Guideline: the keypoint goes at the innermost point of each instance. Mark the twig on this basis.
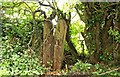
(41, 12)
(28, 6)
(46, 5)
(79, 13)
(110, 71)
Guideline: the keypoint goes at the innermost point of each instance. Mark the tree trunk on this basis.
(97, 38)
(70, 43)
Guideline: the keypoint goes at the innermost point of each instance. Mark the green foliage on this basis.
(18, 57)
(107, 57)
(75, 30)
(81, 67)
(115, 33)
(105, 71)
(67, 5)
(18, 60)
(3, 72)
(94, 70)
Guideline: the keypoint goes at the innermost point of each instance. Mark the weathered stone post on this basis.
(59, 38)
(53, 45)
(48, 43)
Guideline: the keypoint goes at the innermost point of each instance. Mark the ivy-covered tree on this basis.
(101, 33)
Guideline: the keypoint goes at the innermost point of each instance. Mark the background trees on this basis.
(101, 20)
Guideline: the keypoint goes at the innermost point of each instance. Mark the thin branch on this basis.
(113, 4)
(46, 5)
(74, 16)
(28, 6)
(25, 10)
(53, 2)
(41, 12)
(110, 71)
(79, 13)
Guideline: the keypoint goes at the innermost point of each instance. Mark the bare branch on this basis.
(46, 5)
(79, 13)
(110, 71)
(41, 12)
(28, 6)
